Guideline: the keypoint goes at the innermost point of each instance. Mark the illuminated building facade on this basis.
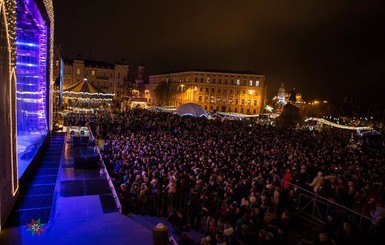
(26, 51)
(281, 96)
(112, 78)
(233, 92)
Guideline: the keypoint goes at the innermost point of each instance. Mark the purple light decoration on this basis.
(31, 85)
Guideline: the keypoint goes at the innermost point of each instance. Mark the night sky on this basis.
(325, 49)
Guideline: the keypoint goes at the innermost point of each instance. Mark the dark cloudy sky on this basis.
(325, 49)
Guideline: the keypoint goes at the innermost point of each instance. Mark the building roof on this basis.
(91, 63)
(245, 72)
(84, 87)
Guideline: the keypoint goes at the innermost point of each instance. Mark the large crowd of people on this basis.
(242, 179)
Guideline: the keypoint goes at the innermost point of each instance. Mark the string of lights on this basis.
(321, 120)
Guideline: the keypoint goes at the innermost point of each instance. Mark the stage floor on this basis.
(83, 211)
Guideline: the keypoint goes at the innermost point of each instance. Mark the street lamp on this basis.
(182, 85)
(249, 101)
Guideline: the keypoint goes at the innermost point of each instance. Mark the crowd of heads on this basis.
(243, 179)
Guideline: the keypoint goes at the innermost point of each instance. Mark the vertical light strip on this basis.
(49, 7)
(13, 143)
(10, 13)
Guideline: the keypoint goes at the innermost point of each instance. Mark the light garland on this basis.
(321, 120)
(233, 114)
(9, 7)
(89, 99)
(165, 108)
(87, 93)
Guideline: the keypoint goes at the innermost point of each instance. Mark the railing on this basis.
(318, 207)
(161, 205)
(103, 169)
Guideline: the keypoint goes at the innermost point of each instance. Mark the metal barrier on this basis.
(161, 205)
(103, 169)
(316, 207)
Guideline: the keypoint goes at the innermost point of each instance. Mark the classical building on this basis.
(282, 100)
(26, 51)
(283, 97)
(222, 91)
(112, 78)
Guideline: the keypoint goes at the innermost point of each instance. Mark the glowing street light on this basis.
(182, 85)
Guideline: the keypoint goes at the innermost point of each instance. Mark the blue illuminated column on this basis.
(31, 86)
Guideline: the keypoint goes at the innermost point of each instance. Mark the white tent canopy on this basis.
(191, 109)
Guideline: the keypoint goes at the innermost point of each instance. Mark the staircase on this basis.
(149, 222)
(36, 200)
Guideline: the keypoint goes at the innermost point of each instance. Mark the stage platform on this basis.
(80, 210)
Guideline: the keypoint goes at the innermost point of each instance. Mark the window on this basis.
(219, 90)
(231, 91)
(256, 83)
(236, 101)
(220, 81)
(78, 71)
(243, 101)
(201, 89)
(251, 83)
(206, 99)
(212, 90)
(238, 82)
(225, 81)
(241, 110)
(207, 90)
(255, 102)
(200, 98)
(213, 80)
(196, 79)
(243, 91)
(201, 79)
(235, 109)
(93, 73)
(249, 102)
(118, 75)
(237, 92)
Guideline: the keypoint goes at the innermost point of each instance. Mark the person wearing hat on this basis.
(123, 195)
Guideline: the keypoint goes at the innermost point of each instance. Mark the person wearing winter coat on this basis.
(317, 182)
